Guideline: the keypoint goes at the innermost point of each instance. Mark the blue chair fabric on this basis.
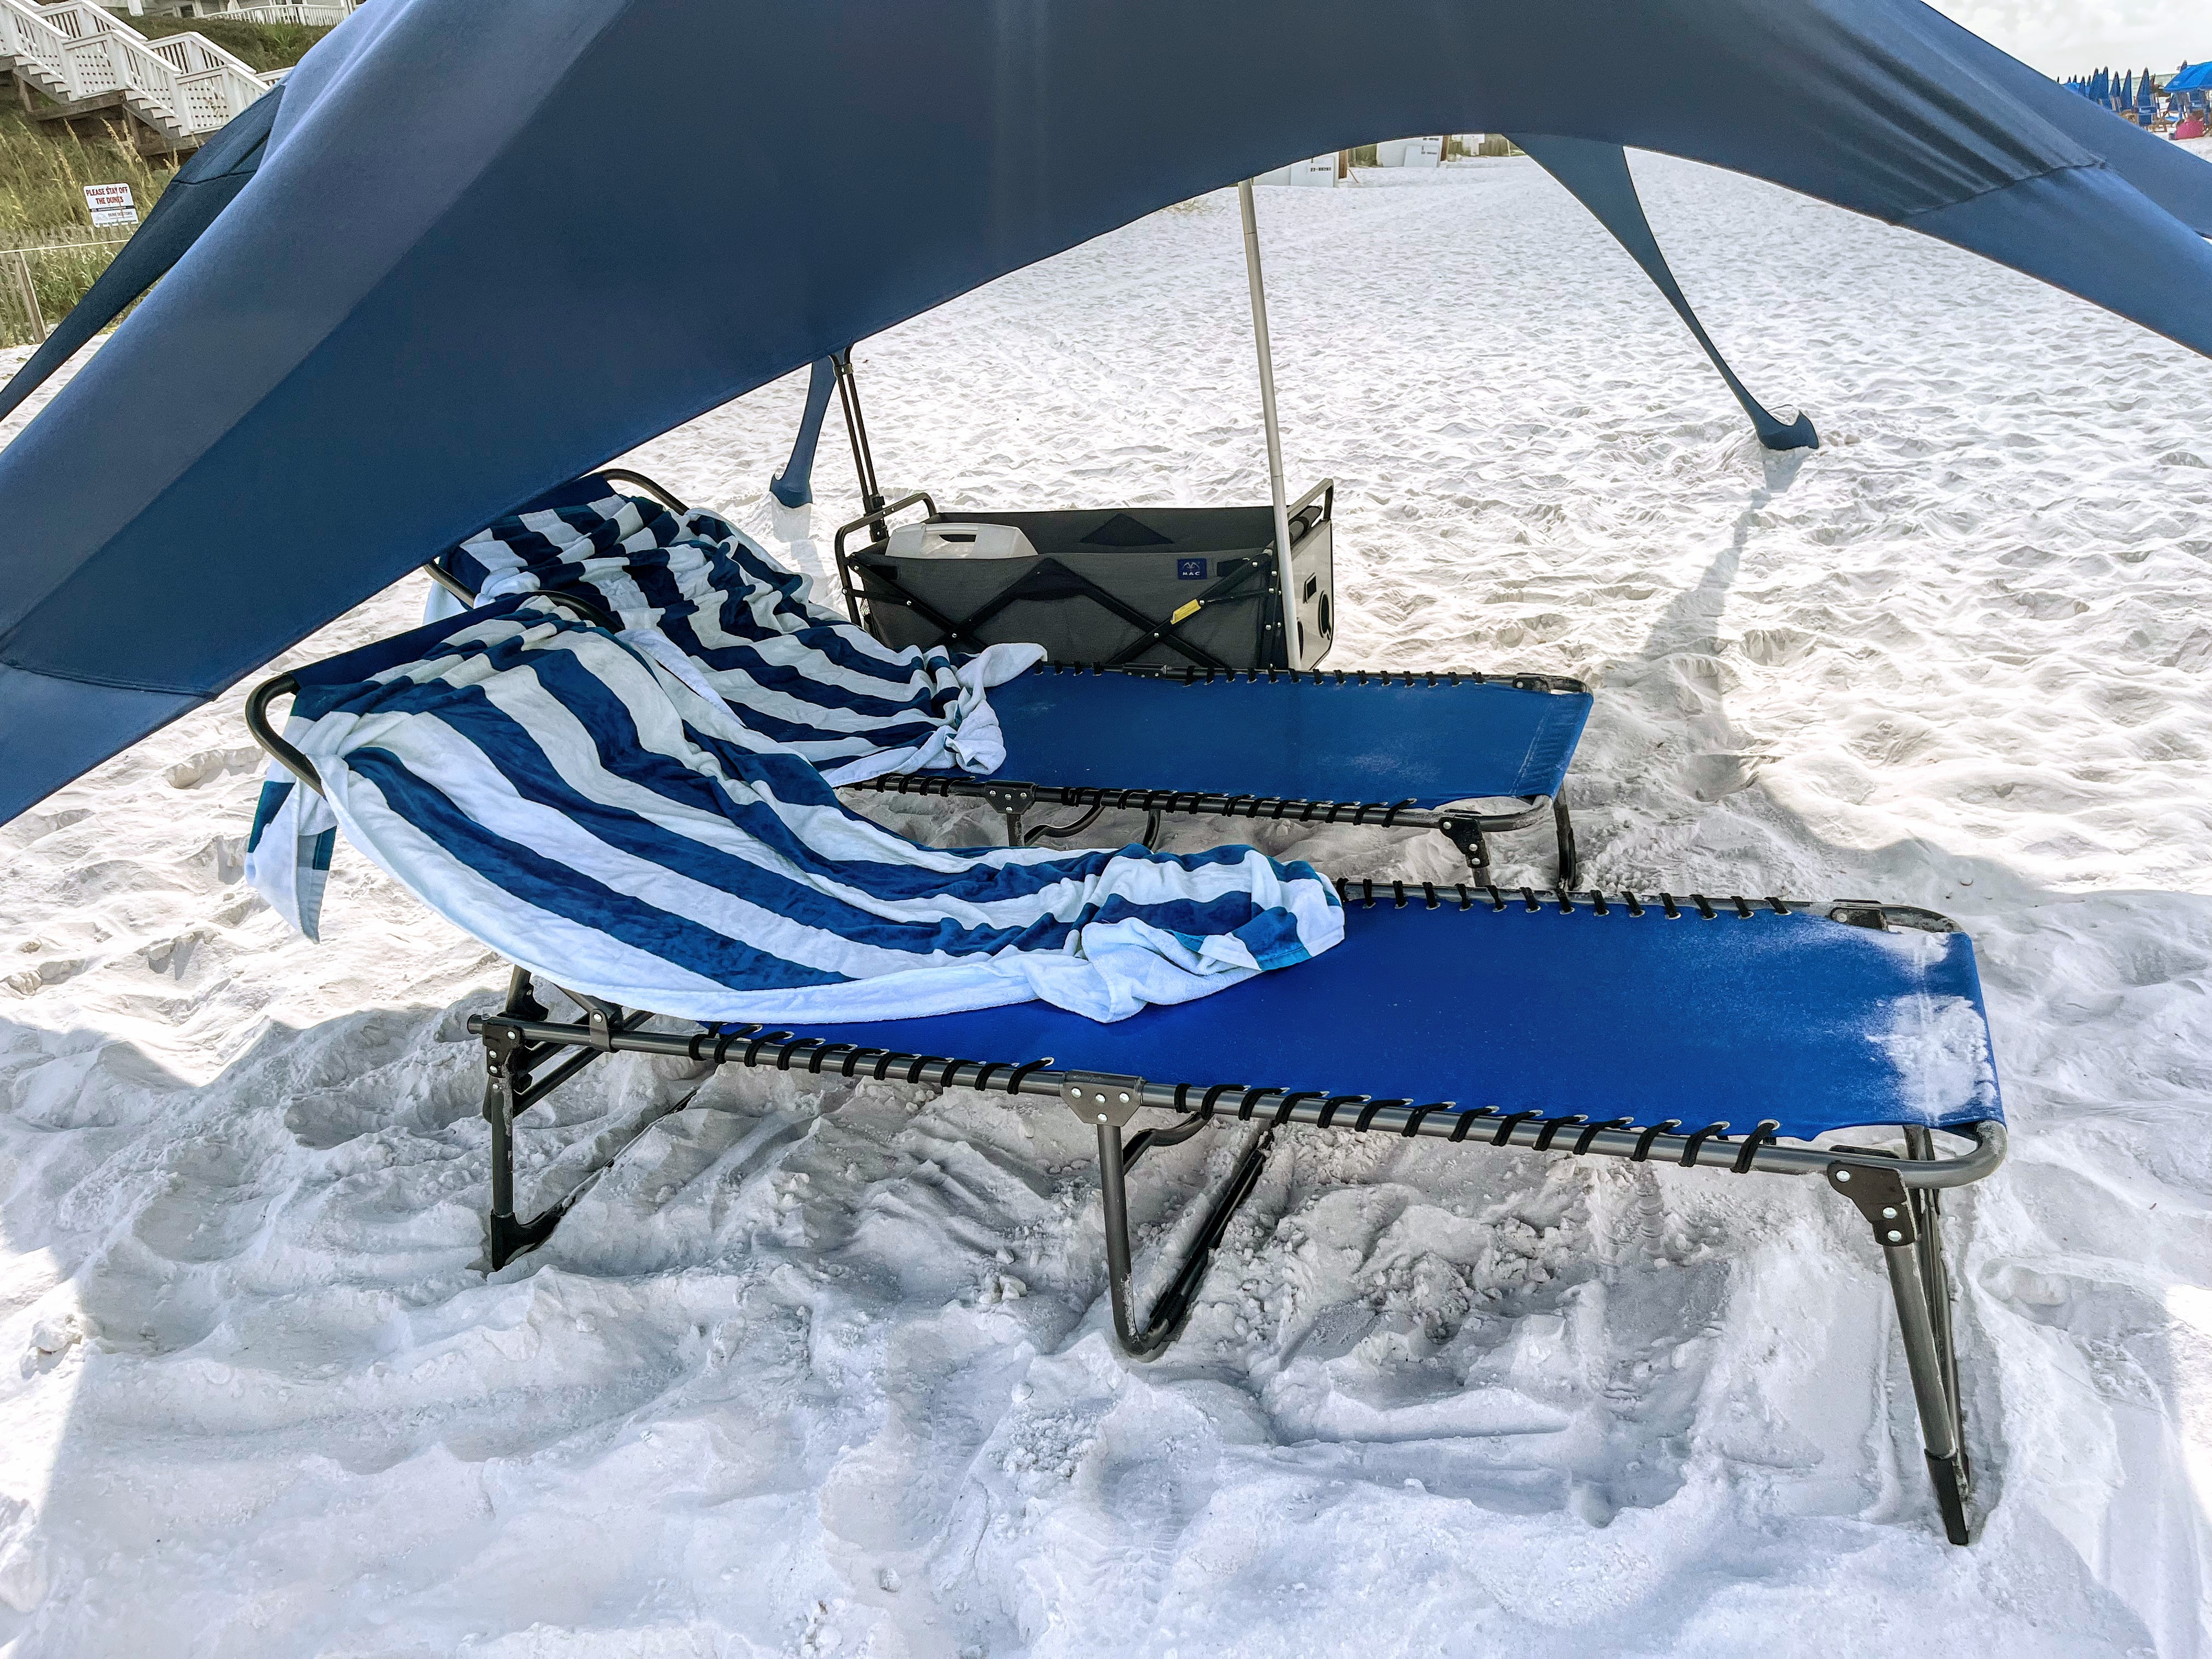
(1813, 1024)
(1426, 738)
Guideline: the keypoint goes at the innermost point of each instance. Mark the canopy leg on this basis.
(1142, 1341)
(1915, 1263)
(794, 486)
(1597, 174)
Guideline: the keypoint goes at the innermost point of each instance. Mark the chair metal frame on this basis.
(1897, 1192)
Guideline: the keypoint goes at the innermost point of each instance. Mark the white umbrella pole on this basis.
(1293, 655)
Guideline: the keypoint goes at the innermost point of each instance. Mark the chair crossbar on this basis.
(1468, 831)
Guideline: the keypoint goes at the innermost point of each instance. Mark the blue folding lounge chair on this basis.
(1317, 747)
(1457, 1012)
(1466, 1015)
(1293, 745)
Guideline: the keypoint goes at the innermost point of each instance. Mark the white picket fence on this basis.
(183, 86)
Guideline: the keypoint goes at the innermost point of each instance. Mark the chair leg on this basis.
(1173, 1306)
(510, 1091)
(1930, 1363)
(1571, 863)
(1936, 1276)
(1037, 833)
(1012, 801)
(1915, 1263)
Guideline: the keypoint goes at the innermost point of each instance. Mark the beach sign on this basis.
(111, 204)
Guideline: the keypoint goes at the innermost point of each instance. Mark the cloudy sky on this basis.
(2069, 37)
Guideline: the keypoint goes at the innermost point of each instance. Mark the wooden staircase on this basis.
(84, 61)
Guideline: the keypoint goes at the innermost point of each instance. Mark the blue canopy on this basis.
(492, 243)
(2197, 77)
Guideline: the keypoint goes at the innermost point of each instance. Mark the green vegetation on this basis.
(260, 47)
(43, 171)
(45, 166)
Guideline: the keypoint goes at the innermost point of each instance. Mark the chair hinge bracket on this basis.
(1881, 1197)
(1102, 1096)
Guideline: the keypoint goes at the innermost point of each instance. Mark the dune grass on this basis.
(43, 172)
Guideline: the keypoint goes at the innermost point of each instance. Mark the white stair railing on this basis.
(182, 85)
(318, 14)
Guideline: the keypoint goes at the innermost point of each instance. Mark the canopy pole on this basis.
(856, 429)
(1293, 657)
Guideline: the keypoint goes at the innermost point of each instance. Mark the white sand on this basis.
(826, 1369)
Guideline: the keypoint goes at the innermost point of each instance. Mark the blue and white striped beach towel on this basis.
(709, 604)
(645, 817)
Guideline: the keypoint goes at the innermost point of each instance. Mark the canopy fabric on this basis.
(1597, 176)
(2197, 77)
(437, 297)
